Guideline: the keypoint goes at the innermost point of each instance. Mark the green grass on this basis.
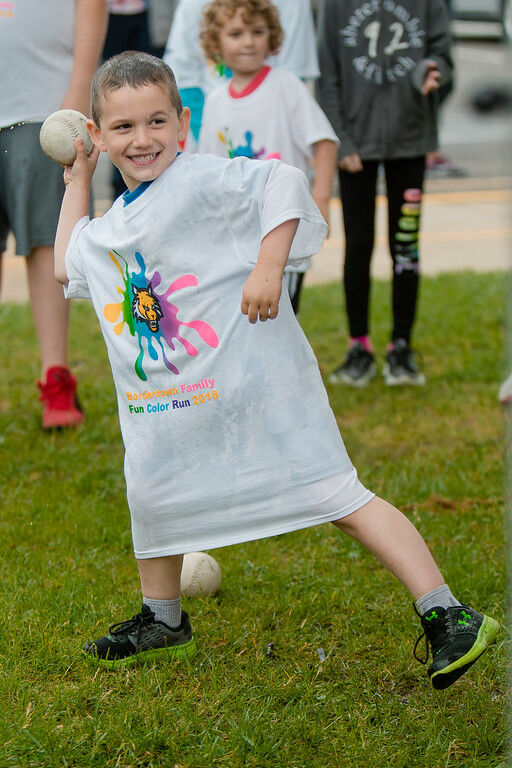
(257, 694)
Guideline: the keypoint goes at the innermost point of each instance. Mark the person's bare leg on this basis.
(394, 540)
(49, 308)
(160, 577)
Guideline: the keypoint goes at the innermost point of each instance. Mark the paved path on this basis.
(467, 224)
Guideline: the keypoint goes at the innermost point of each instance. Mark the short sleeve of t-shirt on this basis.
(77, 287)
(309, 123)
(277, 193)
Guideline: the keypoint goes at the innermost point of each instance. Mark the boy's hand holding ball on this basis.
(65, 139)
(58, 134)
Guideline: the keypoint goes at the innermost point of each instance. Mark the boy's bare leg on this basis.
(394, 540)
(49, 308)
(160, 577)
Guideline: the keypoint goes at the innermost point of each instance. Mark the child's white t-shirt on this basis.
(227, 427)
(278, 117)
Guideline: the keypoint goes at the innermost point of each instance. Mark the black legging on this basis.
(404, 182)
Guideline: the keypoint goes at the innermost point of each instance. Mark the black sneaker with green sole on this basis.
(142, 638)
(457, 636)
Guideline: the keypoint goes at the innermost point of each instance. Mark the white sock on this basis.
(438, 598)
(168, 611)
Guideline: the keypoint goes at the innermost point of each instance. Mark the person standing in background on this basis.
(263, 112)
(382, 64)
(49, 52)
(196, 77)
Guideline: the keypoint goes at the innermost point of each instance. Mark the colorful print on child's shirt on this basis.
(219, 68)
(246, 150)
(150, 316)
(6, 10)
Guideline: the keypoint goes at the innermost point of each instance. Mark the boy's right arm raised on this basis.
(75, 204)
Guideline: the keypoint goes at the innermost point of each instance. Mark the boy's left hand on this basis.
(432, 78)
(322, 203)
(261, 293)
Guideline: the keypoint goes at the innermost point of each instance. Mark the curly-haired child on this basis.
(263, 112)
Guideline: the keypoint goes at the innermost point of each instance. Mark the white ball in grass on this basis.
(201, 574)
(58, 133)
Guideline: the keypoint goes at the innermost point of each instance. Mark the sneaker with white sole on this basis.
(142, 638)
(400, 366)
(457, 637)
(358, 368)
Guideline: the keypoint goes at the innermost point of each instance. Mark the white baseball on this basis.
(58, 133)
(201, 574)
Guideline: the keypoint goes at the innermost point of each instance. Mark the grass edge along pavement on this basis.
(305, 655)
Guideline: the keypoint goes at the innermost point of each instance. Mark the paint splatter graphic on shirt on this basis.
(150, 316)
(246, 150)
(220, 69)
(7, 9)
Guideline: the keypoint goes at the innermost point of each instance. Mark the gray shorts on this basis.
(31, 189)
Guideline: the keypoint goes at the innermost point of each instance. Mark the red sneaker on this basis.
(58, 395)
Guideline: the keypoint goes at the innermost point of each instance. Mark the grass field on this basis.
(258, 693)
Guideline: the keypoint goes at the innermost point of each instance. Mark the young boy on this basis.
(263, 112)
(227, 429)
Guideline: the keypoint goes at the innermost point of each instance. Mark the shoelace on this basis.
(62, 384)
(355, 352)
(418, 641)
(133, 626)
(406, 355)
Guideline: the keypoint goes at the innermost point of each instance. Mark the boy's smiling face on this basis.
(140, 129)
(244, 45)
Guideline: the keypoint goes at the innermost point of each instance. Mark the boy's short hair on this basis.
(134, 69)
(218, 10)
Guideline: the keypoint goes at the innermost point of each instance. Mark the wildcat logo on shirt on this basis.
(151, 317)
(145, 307)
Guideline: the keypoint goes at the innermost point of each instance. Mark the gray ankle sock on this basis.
(168, 611)
(438, 598)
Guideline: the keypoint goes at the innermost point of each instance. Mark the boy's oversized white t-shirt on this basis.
(279, 118)
(226, 425)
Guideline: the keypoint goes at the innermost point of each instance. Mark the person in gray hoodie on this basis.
(382, 63)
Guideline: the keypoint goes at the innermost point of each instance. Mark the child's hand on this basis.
(82, 170)
(351, 163)
(323, 204)
(432, 78)
(261, 293)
